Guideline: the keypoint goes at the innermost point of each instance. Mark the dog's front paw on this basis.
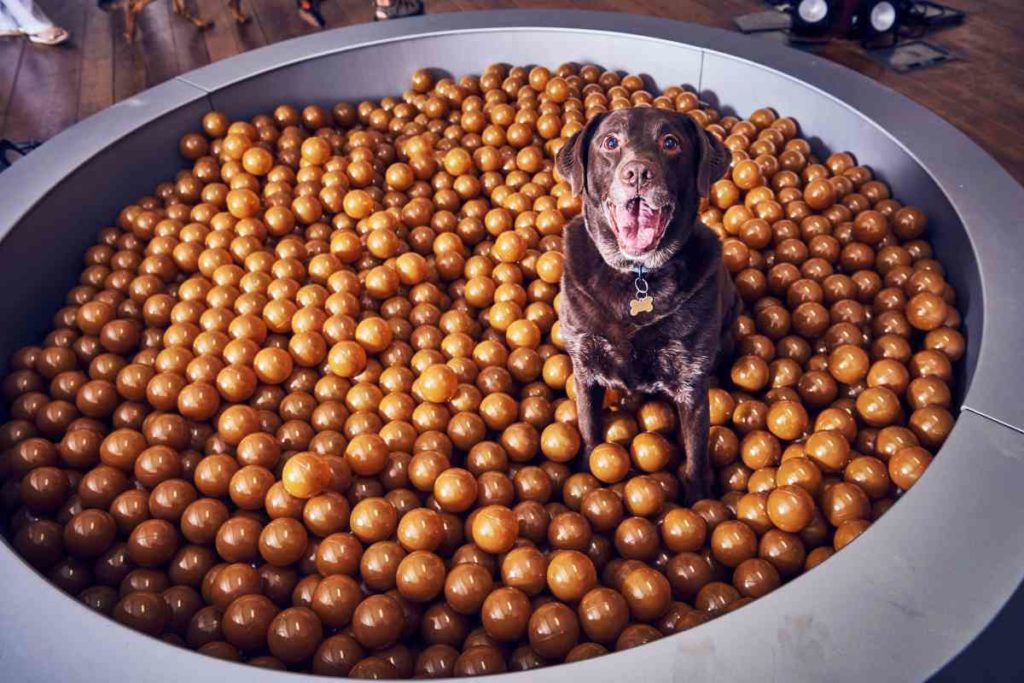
(697, 488)
(581, 463)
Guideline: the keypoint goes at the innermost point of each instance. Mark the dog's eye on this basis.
(610, 142)
(670, 142)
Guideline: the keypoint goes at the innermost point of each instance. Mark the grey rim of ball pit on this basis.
(897, 604)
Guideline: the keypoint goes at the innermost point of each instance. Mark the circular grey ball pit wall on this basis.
(897, 604)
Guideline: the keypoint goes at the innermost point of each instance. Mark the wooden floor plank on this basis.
(250, 34)
(220, 41)
(189, 45)
(346, 13)
(11, 52)
(96, 91)
(158, 50)
(129, 63)
(280, 19)
(226, 37)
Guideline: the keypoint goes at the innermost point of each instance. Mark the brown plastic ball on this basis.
(553, 630)
(466, 587)
(647, 593)
(844, 501)
(570, 575)
(907, 465)
(377, 622)
(294, 634)
(755, 577)
(495, 528)
(790, 508)
(683, 530)
(506, 615)
(732, 542)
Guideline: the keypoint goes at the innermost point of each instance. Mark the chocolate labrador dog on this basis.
(645, 300)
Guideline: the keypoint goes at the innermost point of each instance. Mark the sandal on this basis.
(309, 12)
(397, 9)
(53, 35)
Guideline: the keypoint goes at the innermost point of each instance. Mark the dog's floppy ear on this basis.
(713, 158)
(572, 158)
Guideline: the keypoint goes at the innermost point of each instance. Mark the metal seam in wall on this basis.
(198, 87)
(208, 97)
(700, 72)
(1002, 423)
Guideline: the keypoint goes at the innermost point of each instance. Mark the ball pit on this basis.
(731, 541)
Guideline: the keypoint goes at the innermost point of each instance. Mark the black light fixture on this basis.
(868, 20)
(877, 19)
(813, 17)
(819, 18)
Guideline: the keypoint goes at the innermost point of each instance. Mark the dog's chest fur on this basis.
(666, 351)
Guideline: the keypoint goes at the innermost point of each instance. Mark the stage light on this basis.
(865, 19)
(877, 18)
(815, 17)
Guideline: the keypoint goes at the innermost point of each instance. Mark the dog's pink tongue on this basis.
(639, 226)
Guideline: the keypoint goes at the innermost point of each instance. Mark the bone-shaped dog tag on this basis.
(641, 305)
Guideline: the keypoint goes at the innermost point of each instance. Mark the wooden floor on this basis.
(43, 90)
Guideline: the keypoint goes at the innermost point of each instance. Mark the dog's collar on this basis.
(643, 302)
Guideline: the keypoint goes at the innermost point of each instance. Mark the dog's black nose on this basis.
(636, 172)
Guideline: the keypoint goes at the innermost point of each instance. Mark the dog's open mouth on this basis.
(638, 226)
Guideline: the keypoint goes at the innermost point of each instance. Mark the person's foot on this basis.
(396, 9)
(54, 35)
(11, 32)
(309, 12)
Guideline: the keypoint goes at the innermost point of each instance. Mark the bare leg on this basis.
(237, 12)
(132, 9)
(694, 423)
(181, 8)
(24, 15)
(309, 12)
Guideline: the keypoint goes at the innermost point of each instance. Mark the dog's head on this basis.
(641, 172)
